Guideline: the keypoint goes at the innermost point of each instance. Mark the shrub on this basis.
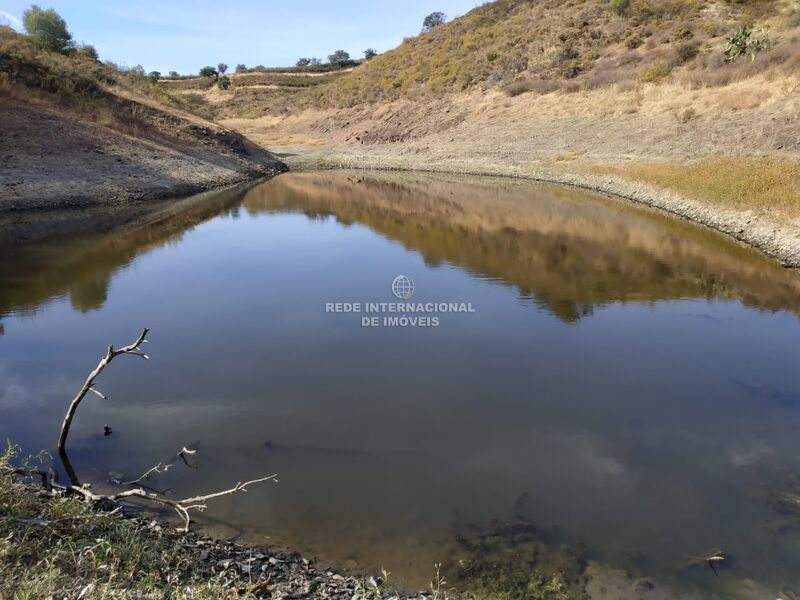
(224, 82)
(47, 29)
(619, 7)
(87, 51)
(433, 20)
(153, 76)
(208, 72)
(340, 58)
(492, 56)
(174, 75)
(540, 86)
(741, 43)
(655, 72)
(370, 53)
(686, 52)
(222, 68)
(633, 41)
(240, 68)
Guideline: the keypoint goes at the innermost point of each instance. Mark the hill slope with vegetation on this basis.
(550, 44)
(77, 131)
(693, 102)
(546, 46)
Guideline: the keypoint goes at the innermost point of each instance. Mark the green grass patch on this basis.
(52, 545)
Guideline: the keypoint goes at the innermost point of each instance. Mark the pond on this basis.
(618, 385)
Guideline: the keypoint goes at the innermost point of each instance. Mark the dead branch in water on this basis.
(182, 507)
(88, 385)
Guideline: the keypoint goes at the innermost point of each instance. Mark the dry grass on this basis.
(761, 184)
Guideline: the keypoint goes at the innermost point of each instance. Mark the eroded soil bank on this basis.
(51, 160)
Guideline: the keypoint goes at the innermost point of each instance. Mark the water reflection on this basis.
(76, 253)
(567, 250)
(627, 386)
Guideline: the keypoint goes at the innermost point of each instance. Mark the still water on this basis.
(627, 383)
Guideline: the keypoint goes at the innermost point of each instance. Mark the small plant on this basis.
(492, 56)
(633, 41)
(223, 82)
(742, 43)
(87, 51)
(655, 72)
(619, 7)
(370, 53)
(686, 52)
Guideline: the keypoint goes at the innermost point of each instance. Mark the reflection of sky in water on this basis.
(646, 429)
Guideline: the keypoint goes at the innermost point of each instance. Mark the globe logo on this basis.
(403, 287)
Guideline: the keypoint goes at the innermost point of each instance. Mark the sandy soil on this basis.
(52, 160)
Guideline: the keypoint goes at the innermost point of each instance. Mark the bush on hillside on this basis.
(208, 72)
(433, 20)
(87, 51)
(340, 57)
(742, 43)
(47, 29)
(619, 7)
(224, 82)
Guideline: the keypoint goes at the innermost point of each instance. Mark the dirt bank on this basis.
(51, 159)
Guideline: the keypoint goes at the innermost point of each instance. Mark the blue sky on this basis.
(184, 35)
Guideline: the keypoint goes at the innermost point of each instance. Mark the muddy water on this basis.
(624, 383)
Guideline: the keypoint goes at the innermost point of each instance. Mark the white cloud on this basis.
(10, 19)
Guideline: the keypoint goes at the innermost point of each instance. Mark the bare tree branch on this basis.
(182, 507)
(87, 386)
(159, 468)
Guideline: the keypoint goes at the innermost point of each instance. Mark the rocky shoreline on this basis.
(263, 572)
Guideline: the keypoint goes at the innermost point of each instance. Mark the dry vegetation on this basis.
(760, 184)
(544, 47)
(77, 82)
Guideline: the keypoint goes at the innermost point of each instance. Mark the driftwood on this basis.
(182, 507)
(88, 385)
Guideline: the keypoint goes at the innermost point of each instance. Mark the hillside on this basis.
(690, 105)
(80, 132)
(520, 46)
